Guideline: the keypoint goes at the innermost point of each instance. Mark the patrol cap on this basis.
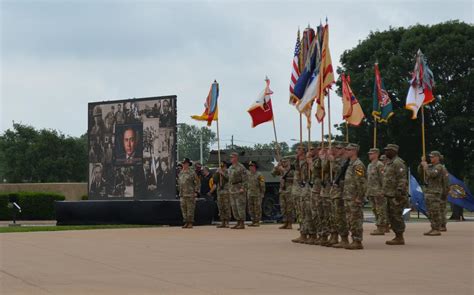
(186, 160)
(234, 154)
(392, 146)
(253, 163)
(436, 154)
(374, 150)
(340, 145)
(352, 146)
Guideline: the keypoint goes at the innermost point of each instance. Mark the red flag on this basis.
(261, 111)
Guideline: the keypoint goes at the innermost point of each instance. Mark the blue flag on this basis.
(417, 199)
(459, 194)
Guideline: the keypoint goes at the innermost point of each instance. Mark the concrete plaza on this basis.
(206, 260)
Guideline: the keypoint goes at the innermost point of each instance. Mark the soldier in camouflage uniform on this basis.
(355, 186)
(395, 188)
(299, 189)
(237, 190)
(340, 226)
(221, 184)
(255, 193)
(189, 185)
(287, 203)
(444, 196)
(375, 193)
(324, 203)
(433, 178)
(315, 184)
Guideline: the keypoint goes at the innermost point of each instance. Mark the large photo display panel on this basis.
(132, 149)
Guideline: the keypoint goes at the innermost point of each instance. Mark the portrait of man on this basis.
(167, 114)
(128, 144)
(98, 185)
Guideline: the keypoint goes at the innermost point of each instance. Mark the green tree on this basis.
(30, 155)
(449, 48)
(189, 141)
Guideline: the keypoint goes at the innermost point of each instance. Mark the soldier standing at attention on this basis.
(395, 188)
(355, 185)
(221, 184)
(255, 193)
(433, 177)
(339, 166)
(237, 190)
(189, 186)
(325, 213)
(375, 193)
(287, 204)
(315, 184)
(297, 190)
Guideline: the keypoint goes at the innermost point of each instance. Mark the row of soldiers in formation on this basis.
(236, 189)
(325, 190)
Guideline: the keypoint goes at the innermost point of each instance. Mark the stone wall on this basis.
(73, 191)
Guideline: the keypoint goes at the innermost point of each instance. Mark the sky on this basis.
(56, 56)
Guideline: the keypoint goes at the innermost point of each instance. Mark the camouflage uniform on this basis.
(316, 196)
(339, 219)
(444, 198)
(375, 192)
(394, 186)
(433, 190)
(325, 207)
(355, 185)
(223, 197)
(255, 193)
(189, 185)
(301, 193)
(287, 203)
(238, 181)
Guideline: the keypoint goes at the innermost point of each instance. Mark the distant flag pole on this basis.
(420, 93)
(382, 105)
(261, 111)
(211, 112)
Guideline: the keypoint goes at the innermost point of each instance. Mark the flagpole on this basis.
(375, 132)
(322, 146)
(347, 132)
(276, 140)
(218, 143)
(423, 131)
(330, 137)
(301, 128)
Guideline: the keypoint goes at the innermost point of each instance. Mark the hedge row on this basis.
(34, 205)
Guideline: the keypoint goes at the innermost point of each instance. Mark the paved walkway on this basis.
(207, 260)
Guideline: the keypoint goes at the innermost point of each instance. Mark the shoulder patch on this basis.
(359, 170)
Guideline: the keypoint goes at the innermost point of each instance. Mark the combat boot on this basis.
(252, 224)
(185, 225)
(226, 223)
(240, 225)
(443, 228)
(311, 240)
(333, 240)
(257, 224)
(380, 231)
(324, 240)
(222, 225)
(343, 243)
(398, 240)
(284, 226)
(428, 232)
(299, 239)
(236, 225)
(355, 245)
(190, 225)
(433, 232)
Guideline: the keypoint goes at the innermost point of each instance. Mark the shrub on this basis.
(34, 205)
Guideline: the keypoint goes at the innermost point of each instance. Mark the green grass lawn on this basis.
(36, 228)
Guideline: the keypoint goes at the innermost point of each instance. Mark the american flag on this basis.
(295, 72)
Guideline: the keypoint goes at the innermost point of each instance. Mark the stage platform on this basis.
(159, 212)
